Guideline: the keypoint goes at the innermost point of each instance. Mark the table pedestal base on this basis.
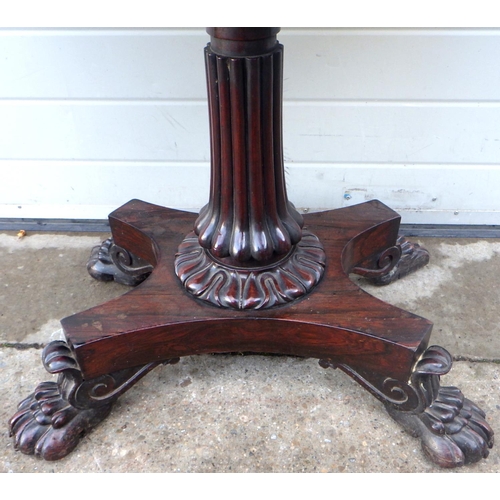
(110, 347)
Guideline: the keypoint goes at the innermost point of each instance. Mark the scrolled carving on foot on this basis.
(387, 262)
(395, 263)
(453, 430)
(52, 420)
(110, 262)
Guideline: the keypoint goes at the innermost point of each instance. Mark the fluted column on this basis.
(248, 217)
(249, 232)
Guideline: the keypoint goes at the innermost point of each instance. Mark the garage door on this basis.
(91, 118)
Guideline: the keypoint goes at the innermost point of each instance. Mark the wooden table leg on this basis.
(250, 274)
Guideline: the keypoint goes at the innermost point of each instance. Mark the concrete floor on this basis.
(231, 413)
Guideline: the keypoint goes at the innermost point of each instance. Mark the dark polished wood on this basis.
(247, 250)
(249, 218)
(159, 320)
(249, 274)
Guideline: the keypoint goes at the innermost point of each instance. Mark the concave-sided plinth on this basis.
(249, 274)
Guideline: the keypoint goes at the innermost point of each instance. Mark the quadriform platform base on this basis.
(249, 274)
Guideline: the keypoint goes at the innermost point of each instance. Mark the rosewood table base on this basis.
(110, 347)
(250, 274)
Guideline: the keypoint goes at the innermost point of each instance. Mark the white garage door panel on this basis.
(91, 190)
(90, 118)
(385, 133)
(392, 64)
(104, 132)
(326, 133)
(319, 64)
(96, 64)
(414, 190)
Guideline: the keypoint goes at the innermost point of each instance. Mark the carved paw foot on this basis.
(46, 425)
(453, 430)
(53, 419)
(109, 262)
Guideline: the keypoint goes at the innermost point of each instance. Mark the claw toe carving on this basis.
(50, 427)
(52, 420)
(453, 429)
